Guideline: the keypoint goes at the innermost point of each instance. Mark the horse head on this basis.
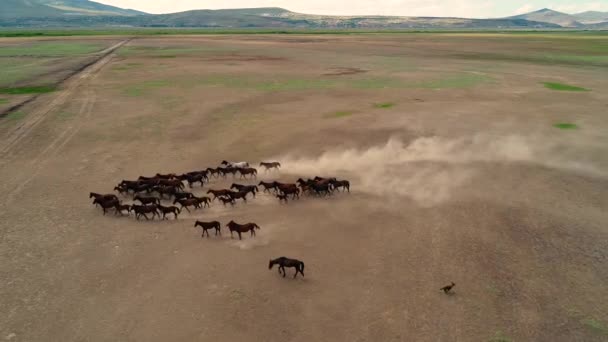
(270, 264)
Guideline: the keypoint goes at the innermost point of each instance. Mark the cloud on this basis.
(525, 9)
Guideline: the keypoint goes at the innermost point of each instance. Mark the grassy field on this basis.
(477, 158)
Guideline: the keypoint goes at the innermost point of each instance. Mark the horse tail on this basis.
(302, 267)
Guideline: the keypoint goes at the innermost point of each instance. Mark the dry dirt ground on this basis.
(457, 171)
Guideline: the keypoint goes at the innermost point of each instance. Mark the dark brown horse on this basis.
(245, 188)
(106, 204)
(270, 165)
(189, 202)
(248, 171)
(180, 195)
(169, 210)
(239, 195)
(282, 197)
(140, 210)
(286, 262)
(344, 184)
(242, 228)
(227, 200)
(146, 200)
(104, 197)
(288, 189)
(268, 186)
(213, 172)
(209, 225)
(123, 207)
(218, 193)
(206, 201)
(167, 176)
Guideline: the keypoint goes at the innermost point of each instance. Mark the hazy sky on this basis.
(460, 8)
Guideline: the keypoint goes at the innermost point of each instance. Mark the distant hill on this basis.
(546, 15)
(59, 8)
(83, 13)
(591, 17)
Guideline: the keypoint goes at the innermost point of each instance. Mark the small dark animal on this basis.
(242, 228)
(123, 207)
(121, 189)
(282, 197)
(147, 200)
(446, 289)
(286, 262)
(209, 225)
(227, 200)
(169, 210)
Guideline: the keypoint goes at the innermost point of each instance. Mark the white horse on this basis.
(238, 165)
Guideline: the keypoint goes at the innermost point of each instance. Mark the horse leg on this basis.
(185, 207)
(231, 236)
(283, 268)
(240, 238)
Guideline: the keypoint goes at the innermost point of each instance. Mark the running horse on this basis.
(270, 165)
(209, 225)
(238, 165)
(242, 228)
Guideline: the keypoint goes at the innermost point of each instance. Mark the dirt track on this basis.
(470, 184)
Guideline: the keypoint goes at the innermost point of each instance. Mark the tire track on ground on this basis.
(69, 87)
(61, 140)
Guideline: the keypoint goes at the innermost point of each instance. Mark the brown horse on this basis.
(180, 195)
(146, 200)
(245, 188)
(218, 193)
(213, 172)
(270, 165)
(204, 200)
(344, 184)
(288, 189)
(248, 171)
(209, 225)
(104, 197)
(106, 204)
(286, 262)
(242, 228)
(169, 210)
(167, 176)
(239, 195)
(145, 209)
(227, 200)
(268, 186)
(123, 207)
(189, 202)
(282, 197)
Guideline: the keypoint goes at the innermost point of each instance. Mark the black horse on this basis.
(286, 262)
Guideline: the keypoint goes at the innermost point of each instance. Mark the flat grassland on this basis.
(474, 158)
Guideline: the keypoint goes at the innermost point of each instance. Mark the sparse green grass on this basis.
(464, 80)
(563, 87)
(64, 115)
(14, 116)
(51, 49)
(565, 125)
(28, 90)
(499, 337)
(15, 69)
(384, 105)
(340, 114)
(144, 87)
(3, 101)
(127, 66)
(596, 326)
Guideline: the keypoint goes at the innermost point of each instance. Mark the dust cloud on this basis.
(430, 170)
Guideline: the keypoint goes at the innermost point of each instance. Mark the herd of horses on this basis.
(149, 192)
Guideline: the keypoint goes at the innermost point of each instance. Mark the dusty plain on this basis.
(460, 163)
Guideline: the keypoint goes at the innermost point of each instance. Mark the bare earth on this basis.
(461, 177)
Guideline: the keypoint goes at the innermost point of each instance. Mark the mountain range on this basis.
(85, 13)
